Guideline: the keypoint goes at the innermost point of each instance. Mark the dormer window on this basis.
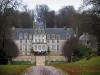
(67, 36)
(57, 36)
(48, 36)
(53, 36)
(20, 36)
(30, 36)
(25, 36)
(42, 30)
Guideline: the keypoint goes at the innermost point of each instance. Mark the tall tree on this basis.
(64, 14)
(81, 23)
(69, 47)
(42, 11)
(50, 19)
(96, 24)
(95, 3)
(5, 32)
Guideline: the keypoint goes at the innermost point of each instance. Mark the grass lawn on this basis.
(13, 69)
(82, 67)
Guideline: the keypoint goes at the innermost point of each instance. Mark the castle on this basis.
(39, 38)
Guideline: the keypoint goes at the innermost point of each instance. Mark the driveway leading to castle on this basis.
(43, 70)
(40, 60)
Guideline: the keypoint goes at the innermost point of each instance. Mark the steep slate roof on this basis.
(60, 31)
(50, 31)
(84, 37)
(23, 31)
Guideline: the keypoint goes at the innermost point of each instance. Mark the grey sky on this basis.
(53, 4)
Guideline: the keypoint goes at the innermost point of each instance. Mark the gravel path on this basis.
(43, 70)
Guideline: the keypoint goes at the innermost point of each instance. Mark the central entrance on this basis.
(42, 53)
(40, 60)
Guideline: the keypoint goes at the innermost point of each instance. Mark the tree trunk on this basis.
(98, 46)
(69, 58)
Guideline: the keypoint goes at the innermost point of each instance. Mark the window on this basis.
(20, 41)
(43, 40)
(57, 47)
(31, 44)
(48, 41)
(25, 41)
(57, 40)
(43, 47)
(48, 36)
(53, 36)
(26, 47)
(35, 47)
(52, 47)
(67, 36)
(52, 40)
(39, 47)
(20, 44)
(20, 47)
(30, 36)
(39, 40)
(57, 36)
(25, 36)
(35, 40)
(42, 30)
(25, 44)
(20, 36)
(35, 35)
(43, 35)
(39, 36)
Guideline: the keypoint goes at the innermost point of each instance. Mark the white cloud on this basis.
(53, 4)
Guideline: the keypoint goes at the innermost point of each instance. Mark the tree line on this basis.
(84, 21)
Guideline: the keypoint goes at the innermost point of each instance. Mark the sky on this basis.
(53, 4)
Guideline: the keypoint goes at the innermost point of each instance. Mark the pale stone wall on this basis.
(46, 45)
(62, 42)
(55, 58)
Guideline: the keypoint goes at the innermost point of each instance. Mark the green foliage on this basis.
(82, 67)
(83, 51)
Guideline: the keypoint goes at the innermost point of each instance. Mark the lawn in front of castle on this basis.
(82, 67)
(13, 69)
(16, 68)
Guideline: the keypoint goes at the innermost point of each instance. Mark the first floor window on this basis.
(20, 44)
(39, 47)
(26, 47)
(52, 40)
(20, 41)
(52, 47)
(48, 41)
(39, 40)
(48, 36)
(36, 40)
(43, 47)
(20, 47)
(57, 47)
(57, 40)
(20, 36)
(53, 36)
(43, 40)
(57, 36)
(35, 47)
